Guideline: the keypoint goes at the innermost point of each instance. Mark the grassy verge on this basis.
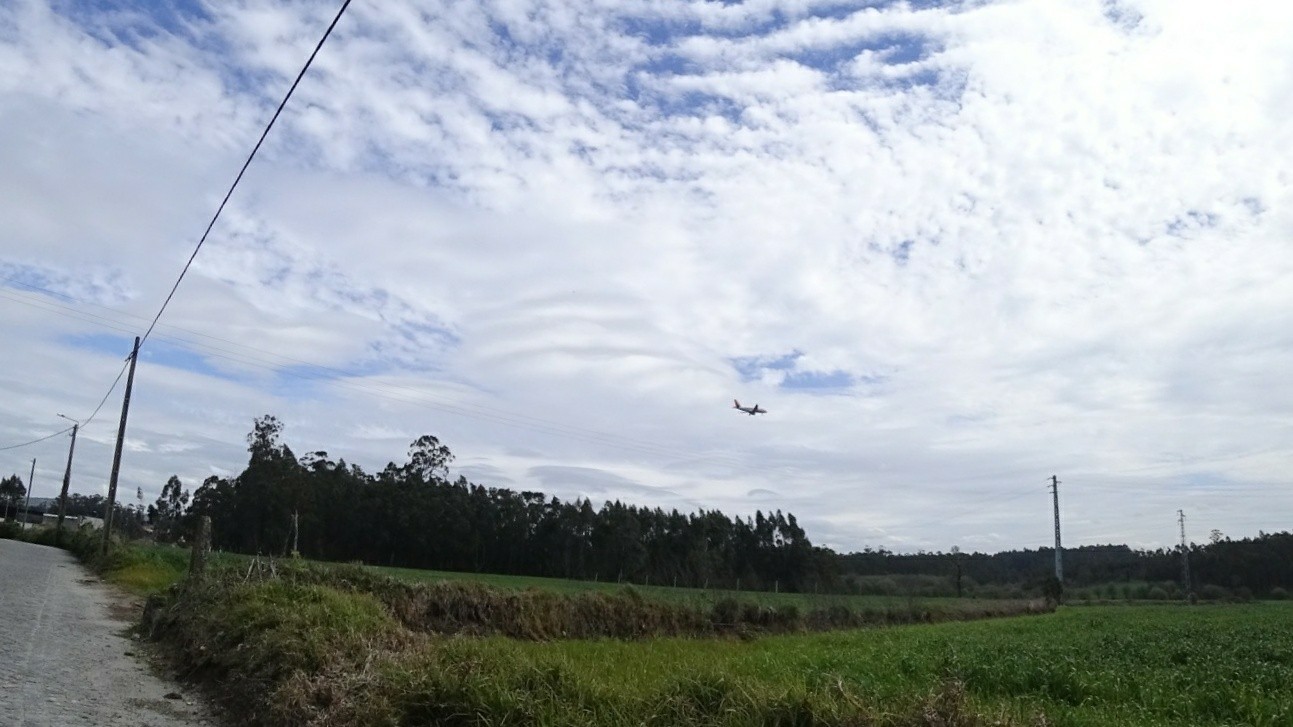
(138, 568)
(304, 648)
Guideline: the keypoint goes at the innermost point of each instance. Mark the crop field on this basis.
(1114, 665)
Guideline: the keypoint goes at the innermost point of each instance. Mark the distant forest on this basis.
(1261, 566)
(413, 515)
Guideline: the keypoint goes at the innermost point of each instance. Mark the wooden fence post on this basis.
(201, 546)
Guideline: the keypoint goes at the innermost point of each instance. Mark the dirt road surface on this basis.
(65, 658)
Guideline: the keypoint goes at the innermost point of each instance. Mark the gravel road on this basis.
(64, 656)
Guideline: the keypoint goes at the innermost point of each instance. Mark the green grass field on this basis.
(1217, 665)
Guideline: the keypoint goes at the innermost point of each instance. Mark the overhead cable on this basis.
(243, 170)
(34, 441)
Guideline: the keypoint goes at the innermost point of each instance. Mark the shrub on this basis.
(1212, 592)
(725, 612)
(1279, 594)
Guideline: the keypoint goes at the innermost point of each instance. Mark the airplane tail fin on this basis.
(736, 404)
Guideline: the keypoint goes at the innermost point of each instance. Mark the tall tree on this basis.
(11, 491)
(167, 514)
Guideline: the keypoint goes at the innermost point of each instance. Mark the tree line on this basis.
(413, 515)
(1249, 566)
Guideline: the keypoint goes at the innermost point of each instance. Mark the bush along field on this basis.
(307, 644)
(141, 569)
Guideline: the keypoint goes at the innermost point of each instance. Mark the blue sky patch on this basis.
(104, 343)
(897, 50)
(751, 368)
(289, 380)
(817, 380)
(903, 252)
(1192, 221)
(1205, 480)
(127, 22)
(1118, 13)
(155, 351)
(24, 277)
(299, 381)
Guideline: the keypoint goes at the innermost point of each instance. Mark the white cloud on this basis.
(1040, 237)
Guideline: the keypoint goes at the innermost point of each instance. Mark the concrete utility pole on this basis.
(1185, 558)
(27, 501)
(116, 455)
(1059, 552)
(67, 479)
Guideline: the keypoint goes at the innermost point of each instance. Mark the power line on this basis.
(242, 171)
(88, 419)
(104, 400)
(404, 394)
(207, 232)
(108, 321)
(34, 441)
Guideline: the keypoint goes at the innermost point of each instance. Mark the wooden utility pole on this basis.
(116, 455)
(1059, 552)
(27, 501)
(67, 480)
(1185, 559)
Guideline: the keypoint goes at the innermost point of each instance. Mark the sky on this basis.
(952, 248)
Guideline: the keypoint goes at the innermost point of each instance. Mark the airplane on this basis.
(751, 410)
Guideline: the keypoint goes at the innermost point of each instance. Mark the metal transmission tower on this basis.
(1185, 559)
(1059, 553)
